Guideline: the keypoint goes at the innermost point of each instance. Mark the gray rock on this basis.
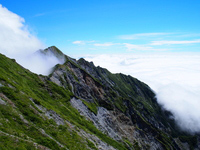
(116, 125)
(53, 115)
(1, 85)
(23, 119)
(98, 143)
(2, 102)
(50, 114)
(103, 119)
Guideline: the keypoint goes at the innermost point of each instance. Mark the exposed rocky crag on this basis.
(87, 106)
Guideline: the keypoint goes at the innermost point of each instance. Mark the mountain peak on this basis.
(53, 50)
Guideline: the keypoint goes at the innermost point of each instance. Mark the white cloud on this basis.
(105, 44)
(40, 63)
(133, 47)
(79, 42)
(141, 35)
(15, 37)
(17, 42)
(174, 42)
(174, 77)
(83, 42)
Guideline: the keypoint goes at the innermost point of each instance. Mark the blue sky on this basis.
(128, 26)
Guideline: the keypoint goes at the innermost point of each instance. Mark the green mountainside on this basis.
(80, 106)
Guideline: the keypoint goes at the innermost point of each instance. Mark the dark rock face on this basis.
(126, 107)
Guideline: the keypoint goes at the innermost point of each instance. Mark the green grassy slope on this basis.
(23, 125)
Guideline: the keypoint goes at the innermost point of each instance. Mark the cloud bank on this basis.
(17, 42)
(40, 63)
(15, 37)
(174, 77)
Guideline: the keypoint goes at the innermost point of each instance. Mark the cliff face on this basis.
(86, 105)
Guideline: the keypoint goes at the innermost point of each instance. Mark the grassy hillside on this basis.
(30, 107)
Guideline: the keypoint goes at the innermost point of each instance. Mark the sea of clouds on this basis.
(174, 77)
(19, 43)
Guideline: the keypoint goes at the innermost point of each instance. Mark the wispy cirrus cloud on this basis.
(106, 44)
(161, 41)
(151, 42)
(79, 42)
(53, 12)
(133, 47)
(40, 14)
(174, 42)
(142, 35)
(186, 35)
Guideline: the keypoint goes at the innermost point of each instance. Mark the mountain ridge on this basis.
(117, 109)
